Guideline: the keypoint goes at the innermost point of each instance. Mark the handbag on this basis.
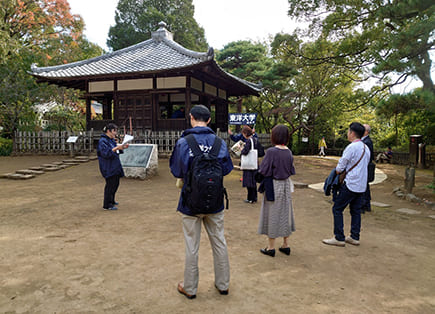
(342, 175)
(250, 161)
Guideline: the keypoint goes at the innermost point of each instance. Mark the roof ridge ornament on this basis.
(162, 32)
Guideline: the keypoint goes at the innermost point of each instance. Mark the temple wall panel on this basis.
(171, 82)
(138, 84)
(101, 86)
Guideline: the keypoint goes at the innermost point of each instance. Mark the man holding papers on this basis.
(110, 166)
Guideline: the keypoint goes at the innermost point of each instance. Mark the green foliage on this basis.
(64, 118)
(413, 113)
(6, 146)
(135, 20)
(389, 36)
(43, 32)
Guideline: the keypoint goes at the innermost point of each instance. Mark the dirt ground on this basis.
(61, 253)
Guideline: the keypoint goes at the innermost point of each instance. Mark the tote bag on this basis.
(250, 161)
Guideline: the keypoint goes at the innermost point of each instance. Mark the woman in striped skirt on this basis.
(276, 217)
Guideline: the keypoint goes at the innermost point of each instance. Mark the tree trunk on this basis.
(423, 72)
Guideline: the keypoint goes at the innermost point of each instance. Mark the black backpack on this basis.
(204, 190)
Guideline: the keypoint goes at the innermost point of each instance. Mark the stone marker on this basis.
(140, 161)
(408, 211)
(378, 204)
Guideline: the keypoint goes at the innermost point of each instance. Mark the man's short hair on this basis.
(358, 128)
(109, 127)
(200, 113)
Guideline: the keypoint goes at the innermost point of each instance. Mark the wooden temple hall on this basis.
(151, 85)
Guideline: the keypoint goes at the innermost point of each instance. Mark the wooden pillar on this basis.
(115, 103)
(188, 103)
(88, 112)
(239, 110)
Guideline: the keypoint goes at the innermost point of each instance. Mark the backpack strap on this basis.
(214, 152)
(193, 144)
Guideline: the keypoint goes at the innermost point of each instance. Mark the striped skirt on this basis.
(276, 218)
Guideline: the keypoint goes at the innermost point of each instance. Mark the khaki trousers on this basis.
(214, 225)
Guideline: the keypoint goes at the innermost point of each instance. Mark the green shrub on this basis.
(5, 146)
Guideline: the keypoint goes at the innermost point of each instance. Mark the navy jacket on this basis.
(266, 187)
(240, 137)
(110, 165)
(331, 183)
(182, 156)
(368, 141)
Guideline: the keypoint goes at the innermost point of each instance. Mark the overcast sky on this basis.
(224, 21)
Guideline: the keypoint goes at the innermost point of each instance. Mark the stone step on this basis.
(36, 168)
(28, 171)
(379, 204)
(300, 185)
(48, 165)
(52, 168)
(16, 176)
(74, 160)
(82, 157)
(408, 211)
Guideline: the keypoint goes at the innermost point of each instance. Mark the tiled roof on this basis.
(160, 53)
(148, 56)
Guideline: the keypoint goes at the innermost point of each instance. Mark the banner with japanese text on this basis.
(242, 118)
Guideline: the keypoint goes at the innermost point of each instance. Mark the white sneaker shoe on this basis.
(352, 241)
(334, 241)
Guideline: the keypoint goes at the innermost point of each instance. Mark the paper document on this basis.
(127, 138)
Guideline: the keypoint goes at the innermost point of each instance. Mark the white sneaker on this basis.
(334, 241)
(352, 241)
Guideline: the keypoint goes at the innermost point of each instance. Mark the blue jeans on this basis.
(341, 200)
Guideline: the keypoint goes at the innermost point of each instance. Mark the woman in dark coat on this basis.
(249, 175)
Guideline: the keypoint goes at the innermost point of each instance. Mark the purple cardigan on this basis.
(278, 163)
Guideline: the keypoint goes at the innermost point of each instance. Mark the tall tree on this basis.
(43, 32)
(321, 91)
(253, 62)
(388, 37)
(136, 19)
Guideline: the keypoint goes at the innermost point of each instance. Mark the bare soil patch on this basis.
(61, 253)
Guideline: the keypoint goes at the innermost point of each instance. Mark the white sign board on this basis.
(72, 139)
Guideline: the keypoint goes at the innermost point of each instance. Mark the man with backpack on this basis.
(201, 159)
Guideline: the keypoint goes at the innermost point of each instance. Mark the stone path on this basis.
(380, 176)
(31, 172)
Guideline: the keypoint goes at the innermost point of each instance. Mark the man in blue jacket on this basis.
(110, 166)
(180, 162)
